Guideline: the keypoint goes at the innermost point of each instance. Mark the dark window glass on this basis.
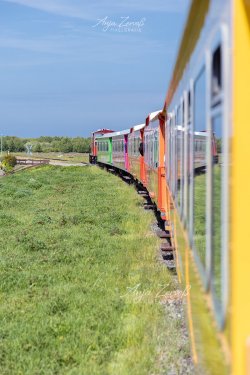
(216, 72)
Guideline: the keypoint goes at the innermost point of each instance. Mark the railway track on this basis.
(166, 249)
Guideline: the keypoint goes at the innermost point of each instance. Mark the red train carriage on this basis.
(154, 149)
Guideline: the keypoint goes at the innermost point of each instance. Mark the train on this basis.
(192, 157)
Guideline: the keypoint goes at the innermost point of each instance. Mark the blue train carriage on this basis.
(198, 105)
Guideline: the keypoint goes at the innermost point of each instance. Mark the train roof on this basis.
(114, 134)
(103, 131)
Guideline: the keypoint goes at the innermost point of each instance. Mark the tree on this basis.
(38, 147)
(65, 145)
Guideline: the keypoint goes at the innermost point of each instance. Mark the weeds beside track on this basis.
(81, 281)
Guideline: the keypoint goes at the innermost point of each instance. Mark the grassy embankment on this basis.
(80, 280)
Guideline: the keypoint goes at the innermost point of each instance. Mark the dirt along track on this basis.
(66, 164)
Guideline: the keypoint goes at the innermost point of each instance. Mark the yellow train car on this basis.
(209, 95)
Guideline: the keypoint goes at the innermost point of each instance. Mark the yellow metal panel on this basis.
(240, 253)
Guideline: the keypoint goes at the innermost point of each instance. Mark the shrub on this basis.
(9, 160)
(8, 163)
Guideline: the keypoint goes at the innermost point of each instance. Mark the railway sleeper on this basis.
(167, 255)
(170, 265)
(162, 233)
(148, 206)
(165, 246)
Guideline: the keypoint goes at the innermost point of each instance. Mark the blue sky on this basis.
(62, 73)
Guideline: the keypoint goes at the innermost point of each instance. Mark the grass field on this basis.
(81, 283)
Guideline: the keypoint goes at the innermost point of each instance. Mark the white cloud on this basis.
(89, 10)
(93, 47)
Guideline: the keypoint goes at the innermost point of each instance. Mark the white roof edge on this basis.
(154, 115)
(138, 127)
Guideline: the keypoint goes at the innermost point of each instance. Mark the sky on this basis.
(69, 67)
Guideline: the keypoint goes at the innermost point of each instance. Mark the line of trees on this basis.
(46, 144)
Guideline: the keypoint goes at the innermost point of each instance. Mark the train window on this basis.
(179, 115)
(217, 207)
(180, 170)
(173, 152)
(216, 72)
(189, 106)
(199, 213)
(188, 161)
(169, 152)
(182, 160)
(179, 167)
(152, 149)
(155, 149)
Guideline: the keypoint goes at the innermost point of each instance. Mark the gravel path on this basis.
(67, 164)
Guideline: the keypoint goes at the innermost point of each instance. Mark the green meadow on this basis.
(81, 281)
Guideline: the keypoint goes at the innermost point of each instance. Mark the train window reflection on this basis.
(200, 139)
(179, 164)
(216, 72)
(217, 203)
